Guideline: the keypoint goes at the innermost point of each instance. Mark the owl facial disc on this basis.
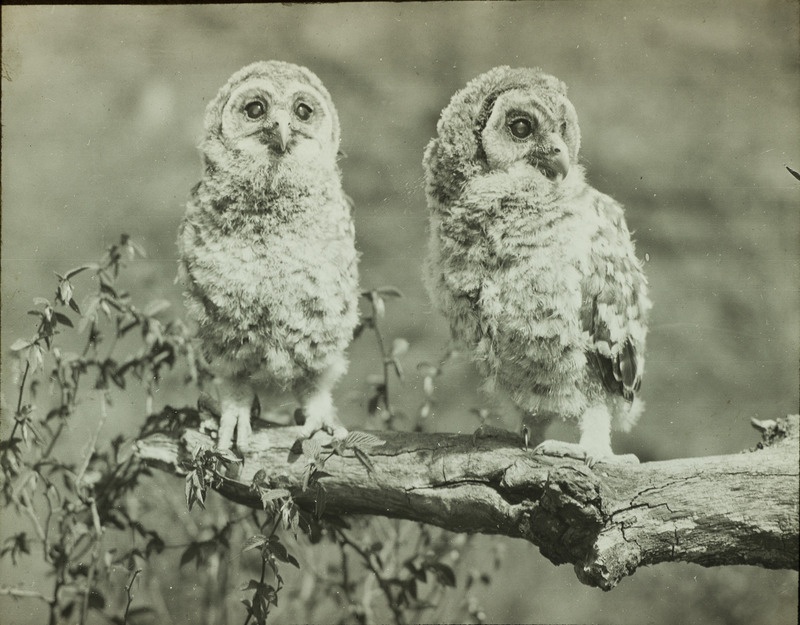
(279, 116)
(525, 130)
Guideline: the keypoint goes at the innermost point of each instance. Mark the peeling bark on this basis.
(607, 521)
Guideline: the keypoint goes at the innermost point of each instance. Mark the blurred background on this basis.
(689, 115)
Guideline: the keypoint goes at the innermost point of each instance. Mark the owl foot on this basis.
(318, 413)
(561, 449)
(329, 425)
(237, 404)
(490, 431)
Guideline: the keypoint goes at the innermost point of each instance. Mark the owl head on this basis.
(504, 120)
(271, 114)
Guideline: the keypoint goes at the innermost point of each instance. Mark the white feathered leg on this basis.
(595, 441)
(235, 400)
(317, 402)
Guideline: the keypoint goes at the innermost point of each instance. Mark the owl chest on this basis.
(520, 254)
(266, 279)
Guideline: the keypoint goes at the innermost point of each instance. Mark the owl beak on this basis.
(553, 160)
(280, 131)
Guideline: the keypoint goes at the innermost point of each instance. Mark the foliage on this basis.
(85, 511)
(74, 503)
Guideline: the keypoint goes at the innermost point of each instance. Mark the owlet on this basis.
(267, 251)
(534, 269)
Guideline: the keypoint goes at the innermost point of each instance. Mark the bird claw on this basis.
(561, 449)
(489, 431)
(329, 425)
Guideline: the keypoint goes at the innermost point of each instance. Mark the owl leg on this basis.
(595, 441)
(235, 402)
(534, 426)
(316, 402)
(596, 437)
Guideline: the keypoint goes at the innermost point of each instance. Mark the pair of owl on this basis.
(534, 269)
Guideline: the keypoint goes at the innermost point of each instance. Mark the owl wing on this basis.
(615, 304)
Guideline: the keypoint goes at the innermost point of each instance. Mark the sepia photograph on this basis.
(400, 312)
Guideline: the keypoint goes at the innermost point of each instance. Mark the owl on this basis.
(534, 269)
(266, 247)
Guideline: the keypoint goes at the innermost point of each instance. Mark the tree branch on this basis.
(607, 521)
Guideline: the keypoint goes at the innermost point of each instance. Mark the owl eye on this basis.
(521, 128)
(255, 109)
(303, 111)
(563, 128)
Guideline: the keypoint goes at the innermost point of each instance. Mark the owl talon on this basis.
(489, 431)
(560, 449)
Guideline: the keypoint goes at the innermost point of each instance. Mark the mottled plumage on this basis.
(267, 251)
(534, 269)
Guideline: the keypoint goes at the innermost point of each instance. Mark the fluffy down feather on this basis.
(534, 269)
(267, 252)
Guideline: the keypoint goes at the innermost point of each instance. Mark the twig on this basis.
(387, 591)
(19, 399)
(27, 507)
(129, 592)
(93, 442)
(19, 593)
(98, 530)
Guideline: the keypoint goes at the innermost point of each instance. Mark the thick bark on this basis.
(607, 520)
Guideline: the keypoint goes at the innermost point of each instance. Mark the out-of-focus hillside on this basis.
(689, 113)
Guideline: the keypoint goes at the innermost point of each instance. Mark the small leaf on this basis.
(20, 344)
(155, 307)
(399, 347)
(372, 404)
(398, 368)
(107, 289)
(254, 542)
(259, 478)
(443, 573)
(364, 459)
(190, 554)
(362, 439)
(41, 301)
(74, 272)
(276, 493)
(74, 306)
(63, 319)
(379, 305)
(311, 448)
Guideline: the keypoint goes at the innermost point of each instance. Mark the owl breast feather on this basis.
(514, 265)
(278, 299)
